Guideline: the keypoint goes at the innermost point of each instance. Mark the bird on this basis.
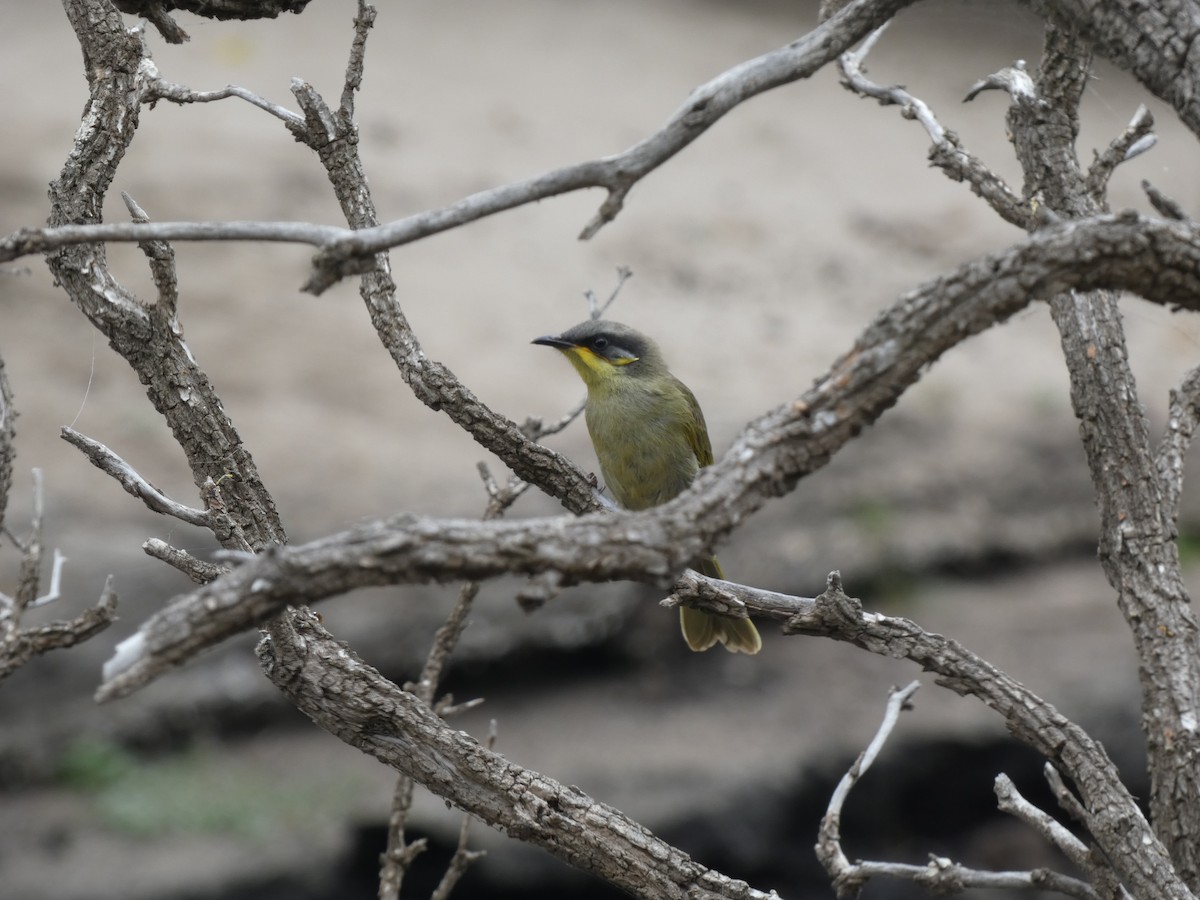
(650, 438)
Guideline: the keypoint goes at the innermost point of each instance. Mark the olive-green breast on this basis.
(644, 435)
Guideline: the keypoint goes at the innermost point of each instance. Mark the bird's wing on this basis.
(696, 430)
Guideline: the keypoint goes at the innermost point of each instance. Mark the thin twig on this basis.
(1094, 862)
(1011, 801)
(399, 853)
(596, 310)
(947, 152)
(111, 464)
(1166, 207)
(940, 875)
(161, 89)
(354, 67)
(198, 570)
(1136, 139)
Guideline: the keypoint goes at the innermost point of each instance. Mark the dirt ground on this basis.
(758, 254)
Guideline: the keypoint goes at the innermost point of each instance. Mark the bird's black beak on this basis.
(550, 340)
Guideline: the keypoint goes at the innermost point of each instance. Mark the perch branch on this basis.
(1156, 258)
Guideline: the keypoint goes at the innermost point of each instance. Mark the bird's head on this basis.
(602, 351)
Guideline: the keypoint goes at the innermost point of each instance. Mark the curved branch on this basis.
(352, 701)
(345, 252)
(1160, 260)
(1108, 810)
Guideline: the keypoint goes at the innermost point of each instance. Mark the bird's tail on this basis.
(703, 630)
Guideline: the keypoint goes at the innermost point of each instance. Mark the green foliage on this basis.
(91, 764)
(196, 791)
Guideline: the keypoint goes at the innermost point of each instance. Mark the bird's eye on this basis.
(599, 343)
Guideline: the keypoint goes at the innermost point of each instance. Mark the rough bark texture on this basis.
(1156, 40)
(1075, 263)
(1138, 543)
(1159, 259)
(8, 431)
(149, 338)
(325, 679)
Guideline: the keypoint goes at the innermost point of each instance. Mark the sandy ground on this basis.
(758, 254)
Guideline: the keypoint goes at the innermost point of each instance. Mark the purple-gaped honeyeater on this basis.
(651, 440)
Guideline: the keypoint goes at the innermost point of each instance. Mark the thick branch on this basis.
(1155, 41)
(1138, 549)
(352, 701)
(1161, 259)
(150, 340)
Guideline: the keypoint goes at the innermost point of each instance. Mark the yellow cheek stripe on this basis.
(624, 361)
(582, 356)
(593, 369)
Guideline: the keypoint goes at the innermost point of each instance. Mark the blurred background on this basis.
(758, 254)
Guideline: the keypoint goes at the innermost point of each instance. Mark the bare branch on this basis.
(1109, 812)
(941, 876)
(1183, 413)
(399, 854)
(1154, 48)
(1166, 207)
(829, 840)
(395, 860)
(1094, 862)
(947, 152)
(463, 856)
(19, 645)
(150, 341)
(347, 252)
(158, 88)
(197, 570)
(1013, 80)
(54, 591)
(1010, 800)
(1137, 546)
(596, 309)
(111, 464)
(768, 457)
(354, 67)
(351, 700)
(1136, 139)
